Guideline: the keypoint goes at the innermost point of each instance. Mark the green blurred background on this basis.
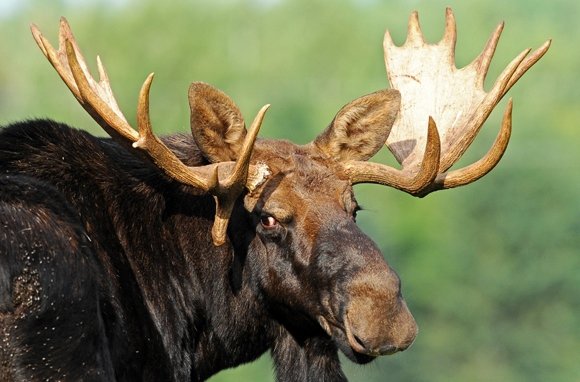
(491, 271)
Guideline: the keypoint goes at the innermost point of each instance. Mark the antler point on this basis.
(414, 33)
(149, 80)
(546, 45)
(64, 24)
(388, 41)
(500, 26)
(450, 33)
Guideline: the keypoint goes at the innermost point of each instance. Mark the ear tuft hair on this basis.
(360, 128)
(217, 124)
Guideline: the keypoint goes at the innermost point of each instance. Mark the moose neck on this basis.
(194, 291)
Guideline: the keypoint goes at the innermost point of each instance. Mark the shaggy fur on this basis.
(108, 271)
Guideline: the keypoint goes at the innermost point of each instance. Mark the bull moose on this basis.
(140, 258)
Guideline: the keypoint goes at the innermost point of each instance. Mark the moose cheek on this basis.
(275, 235)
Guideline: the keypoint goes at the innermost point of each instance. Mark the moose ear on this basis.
(217, 124)
(361, 127)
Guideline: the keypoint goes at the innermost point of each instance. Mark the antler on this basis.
(433, 89)
(97, 98)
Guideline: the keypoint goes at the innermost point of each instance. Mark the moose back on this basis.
(138, 258)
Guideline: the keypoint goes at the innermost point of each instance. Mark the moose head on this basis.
(296, 202)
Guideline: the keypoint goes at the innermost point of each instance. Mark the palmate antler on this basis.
(225, 180)
(453, 104)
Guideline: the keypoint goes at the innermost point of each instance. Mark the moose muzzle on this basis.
(369, 315)
(376, 319)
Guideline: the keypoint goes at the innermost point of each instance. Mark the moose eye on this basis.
(268, 222)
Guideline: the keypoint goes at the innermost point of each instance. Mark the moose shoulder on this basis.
(139, 258)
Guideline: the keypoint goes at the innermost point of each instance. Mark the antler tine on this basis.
(483, 61)
(227, 192)
(61, 61)
(161, 155)
(412, 183)
(56, 59)
(483, 166)
(102, 87)
(528, 63)
(241, 170)
(111, 120)
(143, 117)
(414, 32)
(450, 34)
(65, 36)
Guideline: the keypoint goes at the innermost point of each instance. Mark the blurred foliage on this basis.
(491, 271)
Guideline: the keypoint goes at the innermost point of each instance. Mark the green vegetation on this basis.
(491, 271)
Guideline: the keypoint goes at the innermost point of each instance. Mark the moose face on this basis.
(316, 264)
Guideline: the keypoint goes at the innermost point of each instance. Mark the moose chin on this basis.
(139, 258)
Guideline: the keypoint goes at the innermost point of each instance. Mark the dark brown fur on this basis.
(110, 262)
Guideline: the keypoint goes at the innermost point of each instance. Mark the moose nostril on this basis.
(388, 349)
(359, 341)
(355, 342)
(382, 350)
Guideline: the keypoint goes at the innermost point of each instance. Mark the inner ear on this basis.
(361, 127)
(217, 124)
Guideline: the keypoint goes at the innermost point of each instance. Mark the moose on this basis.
(139, 258)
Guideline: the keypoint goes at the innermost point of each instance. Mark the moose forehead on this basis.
(301, 174)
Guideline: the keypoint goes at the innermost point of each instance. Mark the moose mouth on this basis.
(352, 346)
